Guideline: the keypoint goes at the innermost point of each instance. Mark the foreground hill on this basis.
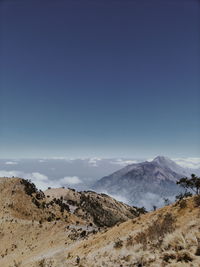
(34, 225)
(51, 234)
(169, 236)
(144, 184)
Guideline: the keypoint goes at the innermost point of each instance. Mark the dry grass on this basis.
(166, 237)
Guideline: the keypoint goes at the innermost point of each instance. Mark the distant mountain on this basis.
(170, 164)
(144, 184)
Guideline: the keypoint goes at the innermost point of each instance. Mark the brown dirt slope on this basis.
(102, 210)
(169, 236)
(34, 226)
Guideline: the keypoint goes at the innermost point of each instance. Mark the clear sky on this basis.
(99, 78)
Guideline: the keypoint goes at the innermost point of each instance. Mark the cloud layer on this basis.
(123, 162)
(70, 180)
(192, 163)
(11, 163)
(42, 181)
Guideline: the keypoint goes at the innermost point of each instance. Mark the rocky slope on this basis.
(34, 226)
(169, 236)
(144, 184)
(100, 209)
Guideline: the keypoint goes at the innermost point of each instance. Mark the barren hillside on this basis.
(52, 232)
(169, 236)
(34, 226)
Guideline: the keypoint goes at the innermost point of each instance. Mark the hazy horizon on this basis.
(81, 174)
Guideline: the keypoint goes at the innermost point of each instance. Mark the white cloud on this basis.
(10, 173)
(150, 199)
(120, 198)
(42, 181)
(93, 161)
(70, 180)
(38, 176)
(116, 196)
(192, 163)
(11, 163)
(42, 160)
(58, 158)
(123, 162)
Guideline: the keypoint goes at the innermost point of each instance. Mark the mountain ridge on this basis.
(140, 182)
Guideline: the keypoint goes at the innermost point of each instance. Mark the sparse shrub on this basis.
(36, 202)
(17, 264)
(156, 231)
(29, 187)
(43, 205)
(197, 201)
(183, 195)
(126, 258)
(166, 201)
(118, 244)
(83, 233)
(40, 195)
(129, 241)
(63, 206)
(141, 211)
(168, 256)
(182, 204)
(141, 238)
(197, 253)
(51, 218)
(71, 202)
(184, 256)
(41, 263)
(10, 205)
(159, 228)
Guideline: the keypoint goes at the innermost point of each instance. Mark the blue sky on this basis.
(99, 78)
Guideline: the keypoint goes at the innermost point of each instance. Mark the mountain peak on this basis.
(162, 159)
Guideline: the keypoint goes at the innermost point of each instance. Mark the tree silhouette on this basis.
(192, 183)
